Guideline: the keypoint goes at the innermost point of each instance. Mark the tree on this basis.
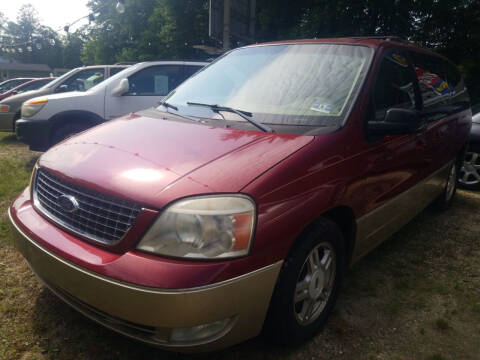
(72, 50)
(31, 41)
(148, 30)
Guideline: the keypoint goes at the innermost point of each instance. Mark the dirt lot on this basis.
(415, 297)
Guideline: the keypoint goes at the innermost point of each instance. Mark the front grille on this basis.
(98, 217)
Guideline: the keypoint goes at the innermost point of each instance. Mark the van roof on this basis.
(371, 41)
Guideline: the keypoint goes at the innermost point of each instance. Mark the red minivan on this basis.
(238, 203)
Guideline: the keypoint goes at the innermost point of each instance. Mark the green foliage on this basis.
(28, 27)
(450, 27)
(167, 29)
(148, 30)
(72, 51)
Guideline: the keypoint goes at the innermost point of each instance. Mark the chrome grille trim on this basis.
(100, 218)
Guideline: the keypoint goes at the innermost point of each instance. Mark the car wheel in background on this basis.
(470, 172)
(65, 131)
(308, 285)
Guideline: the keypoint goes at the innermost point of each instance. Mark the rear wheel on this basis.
(308, 285)
(470, 172)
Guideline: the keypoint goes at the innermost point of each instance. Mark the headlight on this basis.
(4, 108)
(207, 227)
(31, 107)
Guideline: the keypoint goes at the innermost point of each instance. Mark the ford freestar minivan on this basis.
(238, 203)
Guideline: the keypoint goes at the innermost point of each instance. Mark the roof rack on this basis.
(385, 37)
(184, 60)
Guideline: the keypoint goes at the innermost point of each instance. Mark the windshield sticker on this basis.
(320, 107)
(398, 58)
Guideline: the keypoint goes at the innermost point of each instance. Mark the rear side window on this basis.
(115, 70)
(432, 78)
(155, 80)
(394, 87)
(459, 96)
(190, 70)
(34, 86)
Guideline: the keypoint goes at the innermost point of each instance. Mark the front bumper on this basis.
(36, 133)
(151, 314)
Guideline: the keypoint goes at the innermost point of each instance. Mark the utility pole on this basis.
(226, 25)
(251, 25)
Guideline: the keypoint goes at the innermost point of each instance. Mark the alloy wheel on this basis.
(470, 172)
(452, 179)
(315, 283)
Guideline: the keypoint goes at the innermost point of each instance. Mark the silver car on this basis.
(79, 79)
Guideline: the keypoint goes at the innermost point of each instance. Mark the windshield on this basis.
(10, 84)
(295, 85)
(60, 79)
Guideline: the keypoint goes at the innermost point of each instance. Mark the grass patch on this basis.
(442, 324)
(436, 357)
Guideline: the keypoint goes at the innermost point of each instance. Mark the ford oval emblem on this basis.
(68, 203)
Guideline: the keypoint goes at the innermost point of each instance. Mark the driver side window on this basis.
(155, 80)
(394, 87)
(84, 80)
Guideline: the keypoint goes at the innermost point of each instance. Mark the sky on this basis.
(53, 13)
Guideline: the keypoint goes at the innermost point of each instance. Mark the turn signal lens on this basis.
(31, 107)
(4, 108)
(36, 101)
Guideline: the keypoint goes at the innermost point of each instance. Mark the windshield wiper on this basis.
(243, 114)
(167, 105)
(170, 106)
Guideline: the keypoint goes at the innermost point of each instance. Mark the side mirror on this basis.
(398, 122)
(122, 88)
(61, 88)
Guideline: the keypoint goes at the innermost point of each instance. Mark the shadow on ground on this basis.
(9, 139)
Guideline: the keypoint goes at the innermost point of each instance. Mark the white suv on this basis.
(49, 119)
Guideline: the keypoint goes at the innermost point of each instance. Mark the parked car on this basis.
(238, 203)
(27, 86)
(74, 80)
(10, 84)
(470, 173)
(49, 119)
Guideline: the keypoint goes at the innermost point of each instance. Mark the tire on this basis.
(15, 118)
(291, 320)
(469, 177)
(65, 131)
(444, 201)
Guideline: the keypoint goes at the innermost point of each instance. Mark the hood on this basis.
(65, 95)
(153, 161)
(20, 98)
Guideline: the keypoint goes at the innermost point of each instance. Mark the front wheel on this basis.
(444, 201)
(308, 285)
